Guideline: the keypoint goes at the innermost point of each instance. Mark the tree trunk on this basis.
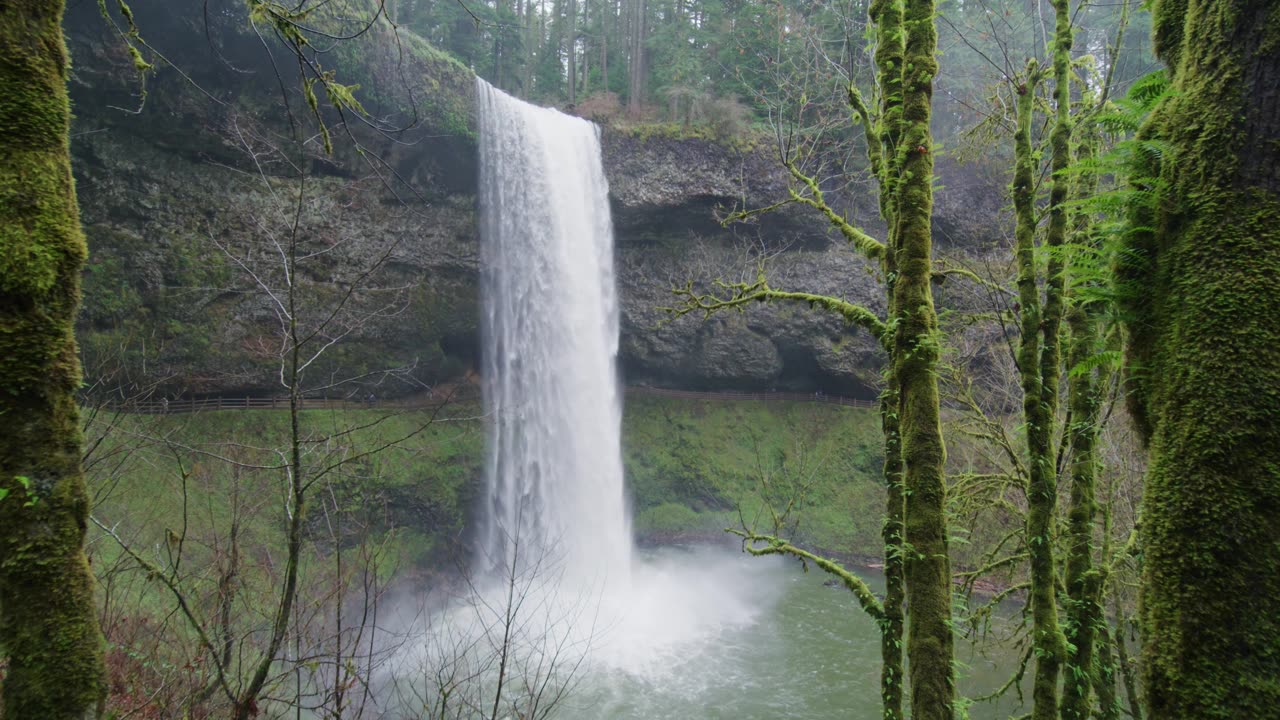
(532, 40)
(571, 56)
(48, 628)
(886, 17)
(1051, 644)
(1126, 668)
(1105, 671)
(587, 34)
(915, 367)
(635, 86)
(1082, 609)
(892, 677)
(1038, 418)
(1083, 582)
(1204, 326)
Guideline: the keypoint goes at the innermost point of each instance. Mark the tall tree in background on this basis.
(636, 24)
(900, 154)
(1039, 357)
(48, 628)
(1200, 279)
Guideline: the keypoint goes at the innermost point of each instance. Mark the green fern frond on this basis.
(1105, 359)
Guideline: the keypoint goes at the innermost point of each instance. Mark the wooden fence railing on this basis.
(189, 405)
(428, 401)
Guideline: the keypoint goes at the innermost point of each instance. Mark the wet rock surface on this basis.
(184, 232)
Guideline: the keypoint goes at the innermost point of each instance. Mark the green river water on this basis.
(766, 641)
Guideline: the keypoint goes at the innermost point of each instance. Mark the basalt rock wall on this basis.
(193, 206)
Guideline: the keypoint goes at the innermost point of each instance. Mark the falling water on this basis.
(677, 632)
(555, 492)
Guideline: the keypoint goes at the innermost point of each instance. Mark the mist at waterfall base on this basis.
(557, 518)
(559, 597)
(559, 605)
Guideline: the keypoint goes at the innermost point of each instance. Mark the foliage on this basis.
(677, 454)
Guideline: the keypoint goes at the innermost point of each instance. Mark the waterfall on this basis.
(550, 333)
(559, 598)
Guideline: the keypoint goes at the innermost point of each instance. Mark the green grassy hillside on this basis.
(690, 467)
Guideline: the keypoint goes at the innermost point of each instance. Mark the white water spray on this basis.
(563, 600)
(555, 484)
(555, 534)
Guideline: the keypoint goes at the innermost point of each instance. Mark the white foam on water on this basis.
(557, 581)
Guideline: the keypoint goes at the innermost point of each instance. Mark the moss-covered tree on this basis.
(1200, 278)
(48, 628)
(1039, 416)
(1060, 265)
(917, 562)
(1082, 581)
(915, 368)
(1039, 353)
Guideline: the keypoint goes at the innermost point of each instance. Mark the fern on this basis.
(1106, 358)
(1128, 194)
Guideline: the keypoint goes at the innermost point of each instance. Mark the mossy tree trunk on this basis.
(1039, 355)
(1083, 582)
(917, 564)
(1038, 414)
(892, 675)
(1104, 676)
(1204, 328)
(1127, 674)
(1083, 614)
(1104, 672)
(48, 628)
(914, 359)
(1051, 648)
(882, 143)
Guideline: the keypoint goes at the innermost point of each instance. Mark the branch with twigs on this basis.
(737, 295)
(756, 544)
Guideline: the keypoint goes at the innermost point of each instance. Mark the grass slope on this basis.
(690, 466)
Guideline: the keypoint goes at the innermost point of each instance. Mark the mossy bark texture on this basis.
(1087, 659)
(1051, 648)
(1203, 339)
(48, 627)
(915, 368)
(1104, 676)
(892, 676)
(882, 143)
(1038, 357)
(1084, 614)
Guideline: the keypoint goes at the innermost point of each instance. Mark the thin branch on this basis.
(777, 546)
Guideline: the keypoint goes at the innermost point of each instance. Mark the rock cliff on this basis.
(188, 203)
